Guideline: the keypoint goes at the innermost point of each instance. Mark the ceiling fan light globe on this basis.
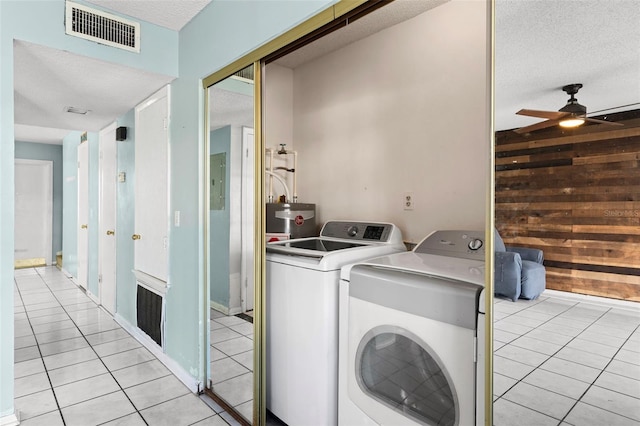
(572, 122)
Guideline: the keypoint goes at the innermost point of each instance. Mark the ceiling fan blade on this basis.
(551, 115)
(540, 125)
(593, 120)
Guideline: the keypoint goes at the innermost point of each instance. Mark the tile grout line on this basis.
(598, 376)
(111, 373)
(549, 357)
(83, 335)
(97, 355)
(565, 345)
(231, 356)
(46, 370)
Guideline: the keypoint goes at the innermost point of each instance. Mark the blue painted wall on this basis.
(221, 33)
(219, 225)
(44, 151)
(224, 31)
(40, 22)
(125, 223)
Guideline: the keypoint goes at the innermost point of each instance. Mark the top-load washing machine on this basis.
(302, 315)
(412, 335)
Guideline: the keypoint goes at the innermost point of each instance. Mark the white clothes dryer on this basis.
(302, 315)
(412, 335)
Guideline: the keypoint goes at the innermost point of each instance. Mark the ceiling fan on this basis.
(571, 115)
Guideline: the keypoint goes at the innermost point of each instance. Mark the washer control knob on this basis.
(475, 244)
(352, 231)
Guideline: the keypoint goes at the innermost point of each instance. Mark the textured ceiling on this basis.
(40, 134)
(541, 45)
(49, 80)
(229, 108)
(387, 16)
(172, 14)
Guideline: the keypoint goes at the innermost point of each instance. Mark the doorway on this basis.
(107, 218)
(33, 213)
(371, 127)
(83, 212)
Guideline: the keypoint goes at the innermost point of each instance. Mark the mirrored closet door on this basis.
(230, 236)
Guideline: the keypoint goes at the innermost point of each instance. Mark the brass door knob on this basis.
(135, 237)
(110, 232)
(83, 226)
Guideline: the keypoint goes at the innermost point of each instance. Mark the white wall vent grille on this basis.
(245, 74)
(102, 27)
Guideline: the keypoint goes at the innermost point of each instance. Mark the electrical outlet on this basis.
(408, 201)
(176, 218)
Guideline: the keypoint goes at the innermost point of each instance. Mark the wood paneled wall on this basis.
(575, 194)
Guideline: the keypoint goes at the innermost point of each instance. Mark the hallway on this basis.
(74, 365)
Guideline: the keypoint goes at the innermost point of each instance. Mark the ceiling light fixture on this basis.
(572, 122)
(570, 116)
(74, 110)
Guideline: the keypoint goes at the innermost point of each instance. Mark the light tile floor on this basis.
(558, 361)
(231, 355)
(74, 365)
(566, 360)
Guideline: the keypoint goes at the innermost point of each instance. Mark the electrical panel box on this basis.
(218, 181)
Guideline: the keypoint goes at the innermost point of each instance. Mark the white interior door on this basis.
(108, 198)
(248, 216)
(151, 192)
(83, 214)
(33, 212)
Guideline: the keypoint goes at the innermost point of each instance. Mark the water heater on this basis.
(296, 219)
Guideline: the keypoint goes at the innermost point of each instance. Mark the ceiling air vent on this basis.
(245, 74)
(74, 110)
(102, 27)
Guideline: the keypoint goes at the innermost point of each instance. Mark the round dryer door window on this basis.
(398, 369)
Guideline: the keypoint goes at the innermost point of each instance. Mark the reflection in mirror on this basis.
(230, 247)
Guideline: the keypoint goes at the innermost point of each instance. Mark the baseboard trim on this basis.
(10, 420)
(224, 309)
(218, 307)
(596, 300)
(93, 298)
(189, 381)
(35, 262)
(70, 276)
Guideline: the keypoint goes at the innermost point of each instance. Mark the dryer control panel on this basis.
(462, 244)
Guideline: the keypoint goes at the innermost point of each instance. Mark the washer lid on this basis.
(346, 253)
(316, 246)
